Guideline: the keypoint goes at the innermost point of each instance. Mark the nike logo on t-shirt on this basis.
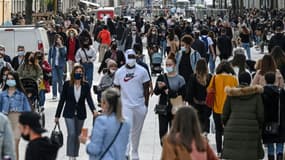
(129, 76)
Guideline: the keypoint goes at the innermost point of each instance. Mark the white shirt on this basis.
(131, 83)
(56, 56)
(77, 93)
(81, 56)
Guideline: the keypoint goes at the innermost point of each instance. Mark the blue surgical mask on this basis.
(11, 83)
(77, 76)
(183, 49)
(169, 69)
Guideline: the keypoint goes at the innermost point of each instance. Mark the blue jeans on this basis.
(212, 63)
(163, 46)
(247, 48)
(279, 148)
(57, 78)
(74, 126)
(88, 67)
(42, 97)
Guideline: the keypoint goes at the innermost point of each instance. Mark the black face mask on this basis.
(114, 47)
(32, 60)
(25, 137)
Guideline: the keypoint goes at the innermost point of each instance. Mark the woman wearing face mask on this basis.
(108, 78)
(3, 77)
(13, 102)
(114, 54)
(72, 45)
(187, 58)
(86, 55)
(152, 39)
(169, 85)
(74, 94)
(30, 69)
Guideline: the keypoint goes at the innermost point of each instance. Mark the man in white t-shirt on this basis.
(133, 82)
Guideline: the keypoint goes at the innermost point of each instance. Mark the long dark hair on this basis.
(2, 81)
(278, 56)
(27, 59)
(186, 129)
(19, 85)
(267, 65)
(202, 71)
(239, 60)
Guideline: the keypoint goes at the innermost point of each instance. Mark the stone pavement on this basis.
(149, 149)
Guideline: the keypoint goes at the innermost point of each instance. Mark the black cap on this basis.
(32, 120)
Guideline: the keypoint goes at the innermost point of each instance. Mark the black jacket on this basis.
(277, 40)
(120, 59)
(67, 99)
(41, 149)
(15, 63)
(196, 90)
(129, 41)
(225, 46)
(164, 98)
(270, 99)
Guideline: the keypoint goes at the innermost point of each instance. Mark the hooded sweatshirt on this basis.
(41, 149)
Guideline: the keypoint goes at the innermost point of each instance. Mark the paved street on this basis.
(149, 145)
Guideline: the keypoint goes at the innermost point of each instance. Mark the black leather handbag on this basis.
(56, 136)
(161, 109)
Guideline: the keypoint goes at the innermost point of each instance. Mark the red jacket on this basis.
(105, 37)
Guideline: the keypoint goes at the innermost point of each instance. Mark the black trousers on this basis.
(164, 124)
(204, 113)
(219, 131)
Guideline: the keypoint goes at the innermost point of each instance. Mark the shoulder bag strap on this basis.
(112, 142)
(279, 103)
(85, 54)
(214, 84)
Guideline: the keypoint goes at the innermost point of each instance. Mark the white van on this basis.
(32, 37)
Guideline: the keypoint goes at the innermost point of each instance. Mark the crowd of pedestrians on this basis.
(248, 108)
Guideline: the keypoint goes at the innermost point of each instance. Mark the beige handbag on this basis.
(176, 103)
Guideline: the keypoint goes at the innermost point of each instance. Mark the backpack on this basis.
(205, 41)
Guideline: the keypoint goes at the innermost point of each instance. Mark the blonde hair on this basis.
(113, 99)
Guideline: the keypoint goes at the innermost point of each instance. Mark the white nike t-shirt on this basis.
(131, 83)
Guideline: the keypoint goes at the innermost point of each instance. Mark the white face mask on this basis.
(169, 69)
(112, 70)
(131, 62)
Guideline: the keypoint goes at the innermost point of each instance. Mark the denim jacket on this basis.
(194, 57)
(18, 102)
(61, 57)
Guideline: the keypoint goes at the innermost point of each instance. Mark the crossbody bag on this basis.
(112, 142)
